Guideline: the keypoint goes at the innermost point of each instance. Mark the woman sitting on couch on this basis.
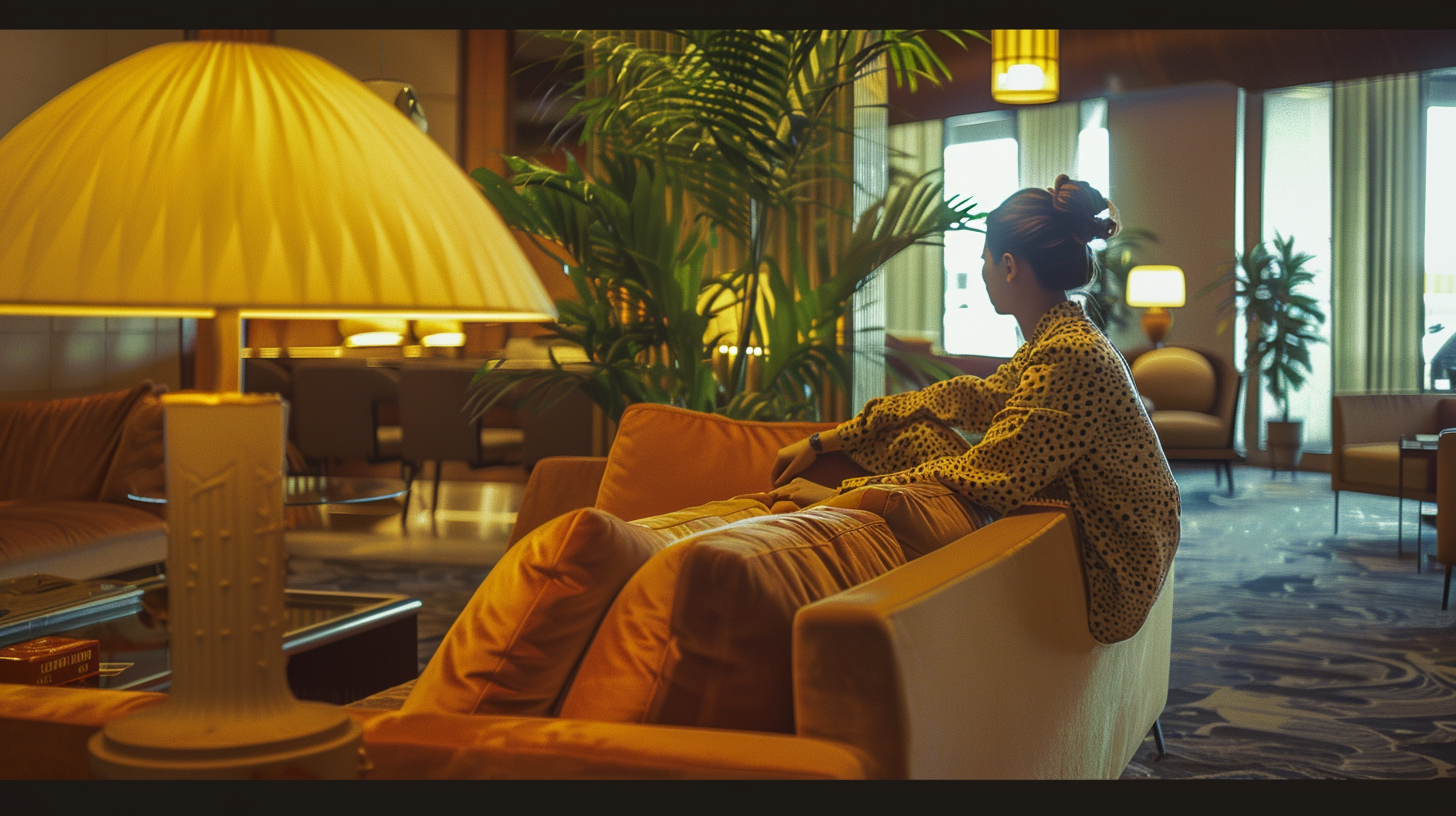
(1061, 421)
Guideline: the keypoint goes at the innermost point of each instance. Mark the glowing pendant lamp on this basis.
(223, 180)
(1024, 66)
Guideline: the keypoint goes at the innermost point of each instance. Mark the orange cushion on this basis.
(62, 448)
(924, 517)
(139, 465)
(665, 457)
(702, 634)
(514, 646)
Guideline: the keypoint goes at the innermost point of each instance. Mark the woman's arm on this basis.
(966, 402)
(796, 457)
(1046, 425)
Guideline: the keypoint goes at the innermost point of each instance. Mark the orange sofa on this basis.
(678, 626)
(66, 466)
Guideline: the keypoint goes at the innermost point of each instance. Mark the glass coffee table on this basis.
(1423, 447)
(341, 646)
(304, 491)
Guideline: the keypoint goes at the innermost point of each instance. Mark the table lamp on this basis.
(1155, 289)
(226, 180)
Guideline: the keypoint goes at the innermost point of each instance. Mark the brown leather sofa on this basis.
(834, 649)
(66, 466)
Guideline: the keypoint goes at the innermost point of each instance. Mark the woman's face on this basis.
(993, 275)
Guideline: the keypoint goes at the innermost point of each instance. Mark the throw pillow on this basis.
(664, 457)
(513, 648)
(702, 635)
(924, 517)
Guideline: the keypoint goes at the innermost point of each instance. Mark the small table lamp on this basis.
(1155, 289)
(224, 180)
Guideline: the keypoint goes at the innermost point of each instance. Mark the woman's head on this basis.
(1050, 229)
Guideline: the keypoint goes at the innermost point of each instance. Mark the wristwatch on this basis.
(815, 444)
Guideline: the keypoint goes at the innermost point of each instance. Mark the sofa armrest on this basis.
(557, 485)
(44, 729)
(454, 746)
(975, 662)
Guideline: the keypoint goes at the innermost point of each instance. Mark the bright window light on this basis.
(981, 164)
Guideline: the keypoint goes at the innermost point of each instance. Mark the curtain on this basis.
(915, 297)
(1046, 138)
(869, 152)
(1377, 289)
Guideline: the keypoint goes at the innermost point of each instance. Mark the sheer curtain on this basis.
(1046, 136)
(915, 295)
(1378, 184)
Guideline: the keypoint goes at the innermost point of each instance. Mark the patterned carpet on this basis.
(1297, 654)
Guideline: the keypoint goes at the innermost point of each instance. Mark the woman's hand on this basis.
(802, 492)
(792, 460)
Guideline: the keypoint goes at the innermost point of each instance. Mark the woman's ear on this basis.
(1013, 267)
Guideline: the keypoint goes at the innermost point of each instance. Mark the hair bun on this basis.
(1081, 203)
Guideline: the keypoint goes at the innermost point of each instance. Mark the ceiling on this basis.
(1107, 62)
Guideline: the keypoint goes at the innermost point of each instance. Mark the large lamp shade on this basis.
(224, 180)
(205, 175)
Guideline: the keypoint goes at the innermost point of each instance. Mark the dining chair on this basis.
(436, 427)
(341, 410)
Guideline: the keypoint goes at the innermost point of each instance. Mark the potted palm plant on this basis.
(1283, 322)
(729, 138)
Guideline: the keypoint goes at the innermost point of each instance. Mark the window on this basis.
(1297, 202)
(1438, 346)
(980, 162)
(1094, 148)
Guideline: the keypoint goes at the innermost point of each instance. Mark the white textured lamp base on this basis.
(229, 713)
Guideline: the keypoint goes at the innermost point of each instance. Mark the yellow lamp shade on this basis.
(1024, 66)
(212, 175)
(1149, 286)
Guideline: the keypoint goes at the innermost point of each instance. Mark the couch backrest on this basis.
(665, 458)
(1177, 379)
(65, 449)
(975, 662)
(1363, 418)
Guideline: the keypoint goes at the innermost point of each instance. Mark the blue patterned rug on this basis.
(1297, 654)
(1300, 654)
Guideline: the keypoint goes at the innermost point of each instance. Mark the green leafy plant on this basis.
(730, 137)
(1283, 321)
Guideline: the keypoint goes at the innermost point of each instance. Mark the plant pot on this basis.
(1285, 443)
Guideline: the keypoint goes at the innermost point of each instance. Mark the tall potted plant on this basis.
(1283, 323)
(728, 138)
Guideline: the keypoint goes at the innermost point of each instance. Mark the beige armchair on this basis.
(1366, 453)
(1194, 395)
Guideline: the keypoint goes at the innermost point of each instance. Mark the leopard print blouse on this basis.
(1062, 421)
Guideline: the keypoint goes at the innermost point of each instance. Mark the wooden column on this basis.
(486, 98)
(487, 116)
